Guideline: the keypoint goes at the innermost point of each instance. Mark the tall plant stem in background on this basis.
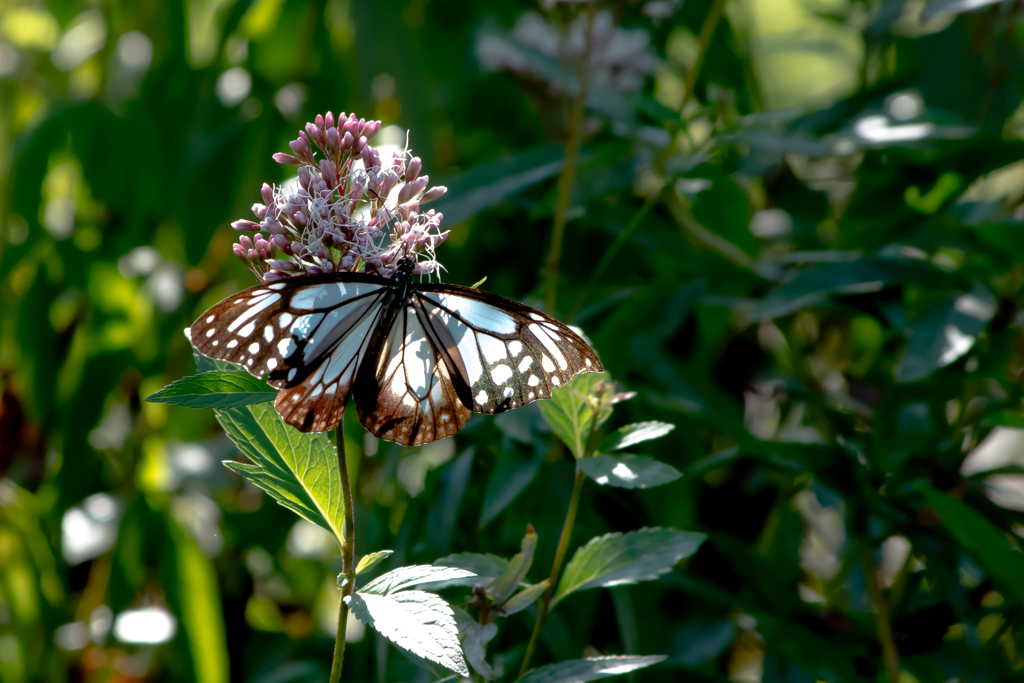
(707, 30)
(348, 566)
(556, 568)
(889, 655)
(568, 175)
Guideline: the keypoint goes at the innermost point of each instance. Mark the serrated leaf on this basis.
(417, 621)
(616, 559)
(572, 411)
(218, 389)
(404, 577)
(630, 435)
(505, 585)
(590, 669)
(525, 597)
(628, 471)
(368, 562)
(299, 470)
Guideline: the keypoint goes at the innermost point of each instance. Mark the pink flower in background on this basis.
(351, 207)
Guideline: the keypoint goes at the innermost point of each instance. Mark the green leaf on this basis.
(638, 432)
(417, 621)
(616, 559)
(590, 669)
(509, 478)
(475, 647)
(572, 411)
(218, 389)
(628, 471)
(484, 568)
(982, 538)
(504, 585)
(525, 597)
(299, 470)
(368, 562)
(195, 597)
(944, 332)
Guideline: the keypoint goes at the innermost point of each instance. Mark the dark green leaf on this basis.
(215, 390)
(504, 585)
(590, 669)
(628, 471)
(525, 597)
(616, 559)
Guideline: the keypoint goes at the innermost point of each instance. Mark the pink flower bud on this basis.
(281, 242)
(315, 133)
(299, 218)
(283, 265)
(351, 126)
(370, 129)
(413, 170)
(319, 120)
(346, 141)
(329, 120)
(410, 190)
(433, 193)
(246, 226)
(273, 276)
(267, 192)
(327, 169)
(358, 146)
(367, 153)
(252, 254)
(239, 251)
(245, 242)
(333, 139)
(287, 159)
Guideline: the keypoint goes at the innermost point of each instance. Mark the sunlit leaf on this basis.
(299, 470)
(368, 562)
(417, 621)
(944, 332)
(635, 433)
(616, 559)
(628, 471)
(215, 390)
(590, 669)
(573, 411)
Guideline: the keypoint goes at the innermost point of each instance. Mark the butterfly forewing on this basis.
(306, 336)
(507, 354)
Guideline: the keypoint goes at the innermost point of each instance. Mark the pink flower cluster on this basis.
(355, 208)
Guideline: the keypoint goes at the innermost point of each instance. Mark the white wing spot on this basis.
(501, 373)
(588, 362)
(285, 320)
(247, 330)
(533, 381)
(494, 349)
(536, 316)
(546, 363)
(210, 332)
(525, 363)
(210, 318)
(481, 398)
(272, 363)
(268, 333)
(249, 362)
(233, 343)
(515, 347)
(285, 347)
(215, 343)
(254, 347)
(276, 286)
(508, 392)
(291, 376)
(555, 380)
(530, 395)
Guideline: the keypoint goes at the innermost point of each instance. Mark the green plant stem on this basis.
(979, 655)
(890, 656)
(567, 177)
(348, 565)
(556, 568)
(707, 31)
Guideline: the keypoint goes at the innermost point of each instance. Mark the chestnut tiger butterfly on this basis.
(417, 358)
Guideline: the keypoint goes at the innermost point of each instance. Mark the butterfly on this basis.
(417, 358)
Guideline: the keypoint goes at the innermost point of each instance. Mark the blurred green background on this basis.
(795, 231)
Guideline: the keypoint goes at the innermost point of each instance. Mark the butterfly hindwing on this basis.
(407, 394)
(505, 354)
(305, 336)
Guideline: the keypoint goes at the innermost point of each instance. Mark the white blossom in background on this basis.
(353, 208)
(618, 59)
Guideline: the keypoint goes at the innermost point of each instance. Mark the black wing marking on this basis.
(406, 393)
(307, 336)
(500, 353)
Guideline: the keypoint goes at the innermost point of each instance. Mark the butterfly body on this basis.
(418, 359)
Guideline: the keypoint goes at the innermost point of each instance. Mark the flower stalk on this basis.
(890, 656)
(556, 568)
(347, 557)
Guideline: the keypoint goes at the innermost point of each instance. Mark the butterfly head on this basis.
(405, 267)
